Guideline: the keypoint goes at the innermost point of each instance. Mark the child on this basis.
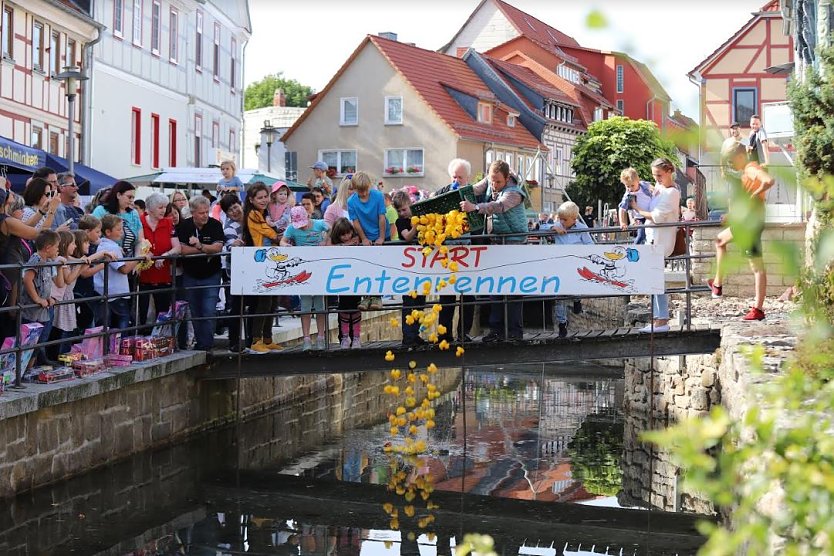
(407, 232)
(90, 227)
(350, 317)
(39, 277)
(229, 183)
(304, 232)
(117, 271)
(391, 216)
(568, 214)
(65, 323)
(641, 192)
(367, 213)
(281, 200)
(689, 214)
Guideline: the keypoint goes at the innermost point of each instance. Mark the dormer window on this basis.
(510, 120)
(566, 72)
(485, 112)
(598, 115)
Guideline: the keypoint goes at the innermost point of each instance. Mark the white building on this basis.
(166, 84)
(256, 153)
(39, 38)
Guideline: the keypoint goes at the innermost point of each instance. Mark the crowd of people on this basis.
(120, 248)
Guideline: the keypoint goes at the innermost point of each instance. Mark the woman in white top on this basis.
(664, 208)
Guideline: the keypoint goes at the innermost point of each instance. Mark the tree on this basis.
(607, 149)
(259, 94)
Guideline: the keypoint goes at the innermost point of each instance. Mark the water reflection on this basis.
(310, 479)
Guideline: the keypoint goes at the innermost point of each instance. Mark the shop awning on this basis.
(89, 180)
(16, 156)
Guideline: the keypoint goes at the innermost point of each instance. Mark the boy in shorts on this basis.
(755, 182)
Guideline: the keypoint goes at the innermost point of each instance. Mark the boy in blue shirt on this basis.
(304, 232)
(568, 214)
(366, 209)
(642, 193)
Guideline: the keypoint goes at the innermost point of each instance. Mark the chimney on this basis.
(388, 35)
(278, 98)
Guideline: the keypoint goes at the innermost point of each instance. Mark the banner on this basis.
(533, 270)
(20, 156)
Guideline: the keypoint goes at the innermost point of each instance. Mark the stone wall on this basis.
(739, 283)
(51, 432)
(688, 387)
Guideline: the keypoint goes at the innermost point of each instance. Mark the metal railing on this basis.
(102, 301)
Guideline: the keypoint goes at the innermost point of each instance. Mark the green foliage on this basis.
(607, 149)
(259, 94)
(595, 452)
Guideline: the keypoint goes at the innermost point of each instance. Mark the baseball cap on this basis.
(298, 217)
(319, 166)
(278, 185)
(734, 125)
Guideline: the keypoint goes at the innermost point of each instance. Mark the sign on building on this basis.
(519, 270)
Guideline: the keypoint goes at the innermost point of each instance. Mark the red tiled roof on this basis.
(537, 30)
(431, 73)
(531, 79)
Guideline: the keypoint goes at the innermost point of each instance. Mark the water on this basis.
(509, 449)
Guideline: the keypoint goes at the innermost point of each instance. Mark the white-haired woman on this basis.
(156, 281)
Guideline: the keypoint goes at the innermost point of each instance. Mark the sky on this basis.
(309, 40)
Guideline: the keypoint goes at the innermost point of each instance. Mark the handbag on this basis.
(680, 243)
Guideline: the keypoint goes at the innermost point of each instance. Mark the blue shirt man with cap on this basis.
(321, 180)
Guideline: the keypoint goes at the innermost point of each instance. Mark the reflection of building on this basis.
(39, 38)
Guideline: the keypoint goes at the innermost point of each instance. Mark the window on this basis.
(155, 14)
(510, 120)
(37, 137)
(393, 110)
(37, 46)
(8, 32)
(198, 43)
(173, 35)
(233, 65)
(155, 140)
(744, 105)
(232, 145)
(621, 106)
(172, 143)
(55, 53)
(342, 162)
(118, 18)
(349, 111)
(136, 136)
(484, 113)
(54, 141)
(69, 53)
(216, 51)
(215, 134)
(620, 79)
(137, 22)
(598, 113)
(403, 162)
(198, 140)
(567, 72)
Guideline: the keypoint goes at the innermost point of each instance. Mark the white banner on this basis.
(533, 270)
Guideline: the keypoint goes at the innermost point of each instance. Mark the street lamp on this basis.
(269, 133)
(71, 76)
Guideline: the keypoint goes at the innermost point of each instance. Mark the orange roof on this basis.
(434, 75)
(534, 28)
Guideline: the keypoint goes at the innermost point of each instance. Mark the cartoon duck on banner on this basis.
(612, 269)
(279, 271)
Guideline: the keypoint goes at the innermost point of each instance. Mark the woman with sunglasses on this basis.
(41, 204)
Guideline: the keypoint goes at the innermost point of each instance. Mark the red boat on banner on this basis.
(299, 278)
(592, 276)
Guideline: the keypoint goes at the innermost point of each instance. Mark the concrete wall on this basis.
(739, 281)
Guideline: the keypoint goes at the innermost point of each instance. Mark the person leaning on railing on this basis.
(506, 215)
(156, 281)
(201, 235)
(568, 216)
